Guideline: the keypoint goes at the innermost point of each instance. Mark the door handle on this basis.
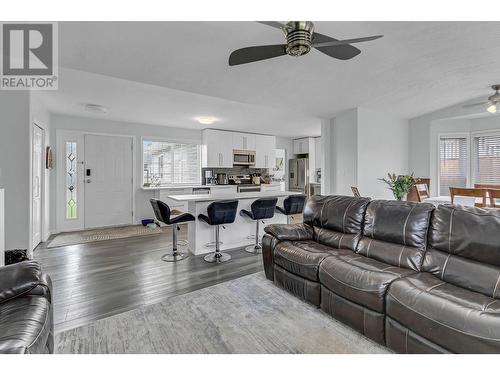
(88, 181)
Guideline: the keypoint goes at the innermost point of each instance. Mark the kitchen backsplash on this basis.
(236, 170)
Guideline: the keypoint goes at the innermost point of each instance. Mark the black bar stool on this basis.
(162, 213)
(292, 205)
(262, 208)
(219, 213)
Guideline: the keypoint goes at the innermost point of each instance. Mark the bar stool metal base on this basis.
(254, 249)
(175, 257)
(217, 257)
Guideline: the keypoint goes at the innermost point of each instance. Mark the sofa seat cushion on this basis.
(25, 325)
(457, 319)
(360, 279)
(304, 257)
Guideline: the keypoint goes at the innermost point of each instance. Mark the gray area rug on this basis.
(93, 235)
(246, 315)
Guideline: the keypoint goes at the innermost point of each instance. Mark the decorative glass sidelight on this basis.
(71, 180)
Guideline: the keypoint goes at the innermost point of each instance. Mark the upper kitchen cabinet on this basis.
(301, 146)
(265, 151)
(217, 148)
(243, 141)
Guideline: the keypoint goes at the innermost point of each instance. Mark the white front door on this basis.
(108, 181)
(36, 186)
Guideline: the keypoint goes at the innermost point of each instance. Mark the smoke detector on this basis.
(95, 108)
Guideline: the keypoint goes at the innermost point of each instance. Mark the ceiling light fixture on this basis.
(206, 120)
(494, 108)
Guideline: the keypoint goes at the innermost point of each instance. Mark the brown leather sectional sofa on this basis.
(409, 276)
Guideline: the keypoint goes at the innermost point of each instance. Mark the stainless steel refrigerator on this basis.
(298, 173)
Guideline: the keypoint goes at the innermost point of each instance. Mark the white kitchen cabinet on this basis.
(301, 146)
(265, 151)
(243, 141)
(217, 150)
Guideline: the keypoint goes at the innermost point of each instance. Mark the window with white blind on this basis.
(452, 163)
(171, 163)
(486, 159)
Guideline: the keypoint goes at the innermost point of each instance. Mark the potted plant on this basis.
(400, 185)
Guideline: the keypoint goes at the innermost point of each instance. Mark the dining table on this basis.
(436, 201)
(445, 199)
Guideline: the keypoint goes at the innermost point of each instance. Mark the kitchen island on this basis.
(201, 236)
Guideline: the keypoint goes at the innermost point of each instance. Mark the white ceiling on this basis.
(418, 67)
(148, 104)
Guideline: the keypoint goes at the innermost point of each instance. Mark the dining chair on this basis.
(494, 195)
(355, 191)
(471, 194)
(422, 192)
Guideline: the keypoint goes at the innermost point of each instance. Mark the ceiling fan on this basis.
(300, 38)
(493, 102)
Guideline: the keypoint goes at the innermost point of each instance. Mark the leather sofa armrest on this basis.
(24, 278)
(290, 232)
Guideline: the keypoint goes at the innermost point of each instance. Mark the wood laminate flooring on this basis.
(246, 315)
(92, 281)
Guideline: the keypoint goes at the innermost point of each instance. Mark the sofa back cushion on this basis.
(464, 248)
(337, 220)
(395, 232)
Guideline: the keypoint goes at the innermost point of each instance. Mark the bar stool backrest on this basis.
(294, 204)
(263, 208)
(161, 210)
(222, 212)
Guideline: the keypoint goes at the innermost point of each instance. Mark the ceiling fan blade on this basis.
(474, 105)
(346, 41)
(251, 54)
(341, 52)
(275, 24)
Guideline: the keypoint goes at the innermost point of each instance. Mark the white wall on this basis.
(420, 138)
(142, 206)
(345, 146)
(339, 146)
(360, 146)
(14, 166)
(382, 148)
(424, 133)
(40, 116)
(485, 123)
(2, 228)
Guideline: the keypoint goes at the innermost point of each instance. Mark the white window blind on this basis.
(486, 159)
(170, 163)
(452, 164)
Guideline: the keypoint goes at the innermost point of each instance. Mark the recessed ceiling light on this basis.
(95, 108)
(206, 120)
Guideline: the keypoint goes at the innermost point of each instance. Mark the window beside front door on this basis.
(71, 180)
(171, 163)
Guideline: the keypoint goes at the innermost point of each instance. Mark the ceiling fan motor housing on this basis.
(298, 37)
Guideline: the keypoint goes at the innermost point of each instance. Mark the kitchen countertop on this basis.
(192, 186)
(220, 197)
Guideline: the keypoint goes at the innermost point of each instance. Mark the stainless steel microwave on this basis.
(243, 157)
